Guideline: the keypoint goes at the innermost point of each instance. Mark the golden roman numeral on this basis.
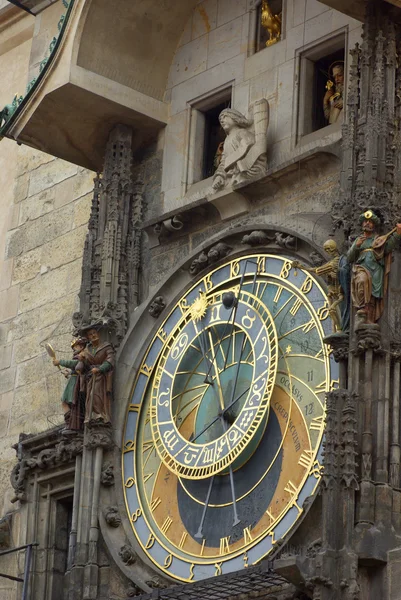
(183, 540)
(285, 270)
(217, 566)
(317, 423)
(150, 542)
(290, 488)
(154, 504)
(225, 545)
(261, 264)
(308, 326)
(168, 560)
(247, 535)
(269, 514)
(167, 523)
(295, 307)
(307, 285)
(321, 387)
(278, 294)
(306, 459)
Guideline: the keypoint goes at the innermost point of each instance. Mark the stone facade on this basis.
(148, 228)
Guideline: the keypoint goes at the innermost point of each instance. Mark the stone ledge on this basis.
(231, 202)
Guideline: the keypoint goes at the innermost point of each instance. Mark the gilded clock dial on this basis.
(258, 443)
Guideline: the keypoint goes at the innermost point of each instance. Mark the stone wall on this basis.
(215, 52)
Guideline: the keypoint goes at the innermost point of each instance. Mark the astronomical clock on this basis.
(224, 431)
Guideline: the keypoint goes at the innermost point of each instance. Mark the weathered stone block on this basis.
(224, 43)
(49, 174)
(6, 401)
(30, 159)
(9, 303)
(34, 369)
(40, 231)
(7, 380)
(82, 184)
(82, 209)
(33, 207)
(189, 60)
(43, 316)
(6, 268)
(5, 356)
(228, 10)
(64, 249)
(4, 419)
(26, 266)
(29, 399)
(21, 188)
(204, 18)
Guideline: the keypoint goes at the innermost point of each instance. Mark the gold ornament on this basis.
(199, 307)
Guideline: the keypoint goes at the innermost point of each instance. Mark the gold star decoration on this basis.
(199, 307)
(288, 349)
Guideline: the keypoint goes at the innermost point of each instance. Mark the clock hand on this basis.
(199, 533)
(220, 392)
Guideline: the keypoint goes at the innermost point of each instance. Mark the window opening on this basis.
(214, 139)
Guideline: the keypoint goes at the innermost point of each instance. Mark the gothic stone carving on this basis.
(216, 252)
(112, 516)
(157, 306)
(107, 475)
(49, 457)
(99, 435)
(127, 555)
(244, 153)
(112, 253)
(257, 238)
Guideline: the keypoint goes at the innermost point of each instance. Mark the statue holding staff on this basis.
(73, 397)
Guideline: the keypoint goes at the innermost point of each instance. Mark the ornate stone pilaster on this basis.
(112, 254)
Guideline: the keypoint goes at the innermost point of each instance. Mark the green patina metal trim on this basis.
(11, 111)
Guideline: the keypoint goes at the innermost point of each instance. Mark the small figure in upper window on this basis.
(333, 101)
(270, 22)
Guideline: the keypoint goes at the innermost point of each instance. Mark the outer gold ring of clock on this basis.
(199, 472)
(143, 369)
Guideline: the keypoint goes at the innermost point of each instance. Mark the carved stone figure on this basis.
(107, 476)
(157, 306)
(336, 271)
(216, 252)
(98, 358)
(370, 255)
(257, 238)
(285, 241)
(112, 516)
(244, 151)
(270, 22)
(127, 554)
(73, 398)
(333, 101)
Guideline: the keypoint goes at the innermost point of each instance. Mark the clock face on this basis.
(223, 436)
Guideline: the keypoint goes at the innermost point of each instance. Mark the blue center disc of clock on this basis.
(209, 407)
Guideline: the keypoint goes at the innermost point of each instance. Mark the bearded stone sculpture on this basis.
(244, 153)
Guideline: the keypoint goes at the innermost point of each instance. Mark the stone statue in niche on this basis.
(98, 358)
(73, 398)
(370, 255)
(244, 152)
(333, 101)
(337, 273)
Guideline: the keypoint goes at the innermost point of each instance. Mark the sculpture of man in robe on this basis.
(370, 255)
(98, 358)
(244, 152)
(73, 396)
(333, 101)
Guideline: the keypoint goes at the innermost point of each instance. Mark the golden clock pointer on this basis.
(221, 399)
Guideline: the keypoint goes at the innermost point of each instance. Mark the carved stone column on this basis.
(112, 254)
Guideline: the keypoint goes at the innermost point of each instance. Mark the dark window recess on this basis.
(321, 77)
(63, 532)
(262, 34)
(214, 136)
